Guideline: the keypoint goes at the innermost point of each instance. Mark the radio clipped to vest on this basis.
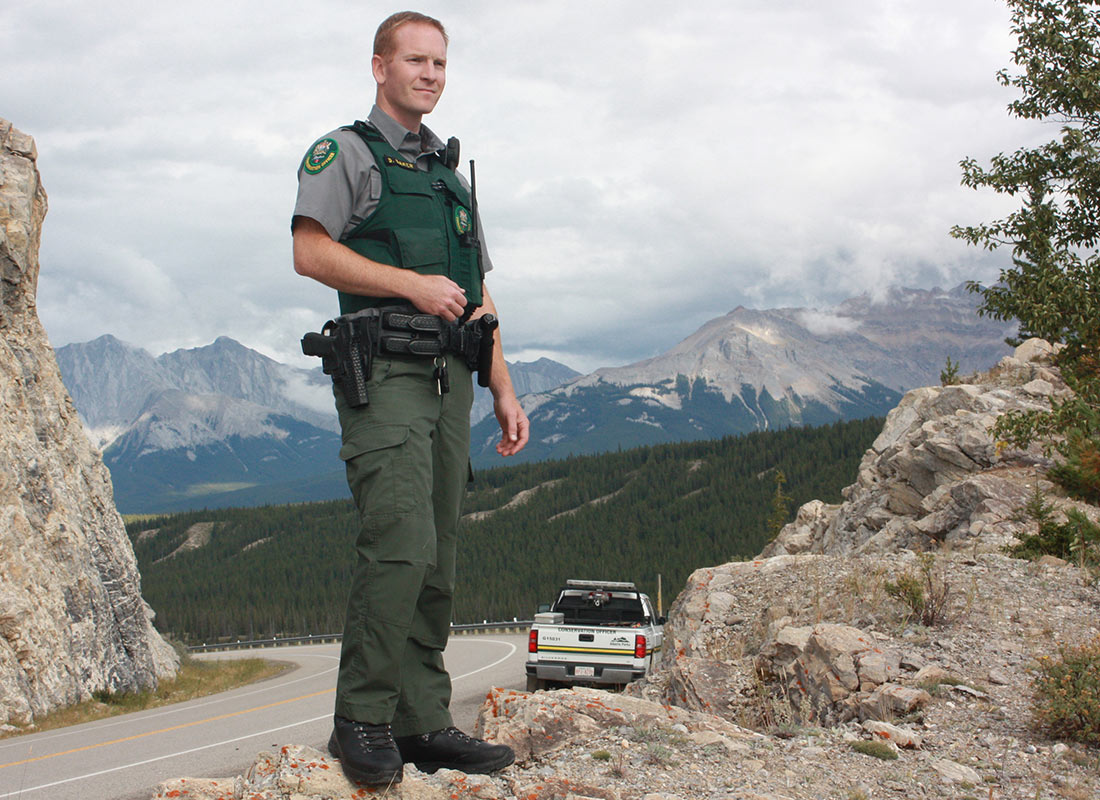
(348, 345)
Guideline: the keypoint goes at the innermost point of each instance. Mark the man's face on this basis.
(411, 78)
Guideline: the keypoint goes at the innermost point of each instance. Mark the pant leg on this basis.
(387, 448)
(407, 456)
(426, 687)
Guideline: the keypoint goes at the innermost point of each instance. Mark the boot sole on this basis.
(478, 768)
(380, 777)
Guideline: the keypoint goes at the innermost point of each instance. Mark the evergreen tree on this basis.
(781, 506)
(668, 509)
(1053, 285)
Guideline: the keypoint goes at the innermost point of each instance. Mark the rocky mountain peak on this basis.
(72, 620)
(755, 369)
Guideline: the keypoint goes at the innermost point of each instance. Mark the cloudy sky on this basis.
(642, 166)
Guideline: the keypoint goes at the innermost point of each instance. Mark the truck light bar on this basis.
(626, 586)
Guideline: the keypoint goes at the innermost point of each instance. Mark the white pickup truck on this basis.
(595, 633)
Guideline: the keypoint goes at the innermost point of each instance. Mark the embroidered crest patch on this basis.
(320, 156)
(463, 221)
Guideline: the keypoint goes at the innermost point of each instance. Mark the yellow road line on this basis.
(167, 730)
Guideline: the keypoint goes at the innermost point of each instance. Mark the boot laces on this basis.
(374, 736)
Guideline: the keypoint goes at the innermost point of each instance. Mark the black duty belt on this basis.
(348, 345)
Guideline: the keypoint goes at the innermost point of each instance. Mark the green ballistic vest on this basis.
(422, 223)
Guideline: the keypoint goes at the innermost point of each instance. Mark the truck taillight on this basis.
(533, 641)
(639, 646)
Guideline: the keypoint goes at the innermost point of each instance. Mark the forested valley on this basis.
(631, 515)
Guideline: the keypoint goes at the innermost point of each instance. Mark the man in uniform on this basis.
(382, 218)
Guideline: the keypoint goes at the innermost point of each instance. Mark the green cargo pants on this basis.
(407, 455)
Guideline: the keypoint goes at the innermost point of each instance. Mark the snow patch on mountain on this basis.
(175, 419)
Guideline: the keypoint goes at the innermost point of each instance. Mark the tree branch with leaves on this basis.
(1053, 285)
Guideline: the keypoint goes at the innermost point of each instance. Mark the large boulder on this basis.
(935, 475)
(72, 620)
(534, 724)
(832, 673)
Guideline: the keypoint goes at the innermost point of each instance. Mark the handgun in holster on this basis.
(345, 347)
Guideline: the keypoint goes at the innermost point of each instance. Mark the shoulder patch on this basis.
(320, 156)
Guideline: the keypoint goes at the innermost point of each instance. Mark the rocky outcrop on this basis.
(536, 724)
(72, 620)
(935, 475)
(833, 673)
(559, 725)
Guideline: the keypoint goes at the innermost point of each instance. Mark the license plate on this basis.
(585, 672)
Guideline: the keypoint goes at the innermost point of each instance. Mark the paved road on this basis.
(124, 758)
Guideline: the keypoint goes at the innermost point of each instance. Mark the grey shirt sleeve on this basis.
(345, 191)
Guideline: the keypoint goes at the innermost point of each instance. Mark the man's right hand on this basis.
(317, 256)
(437, 294)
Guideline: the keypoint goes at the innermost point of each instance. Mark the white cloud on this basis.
(823, 323)
(641, 167)
(314, 396)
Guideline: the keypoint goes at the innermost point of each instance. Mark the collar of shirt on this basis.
(409, 144)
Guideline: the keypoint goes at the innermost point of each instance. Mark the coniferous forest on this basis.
(631, 515)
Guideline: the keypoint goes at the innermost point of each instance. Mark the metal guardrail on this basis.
(515, 626)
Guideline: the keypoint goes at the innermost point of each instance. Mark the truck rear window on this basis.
(616, 611)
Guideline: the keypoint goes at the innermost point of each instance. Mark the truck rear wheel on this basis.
(535, 684)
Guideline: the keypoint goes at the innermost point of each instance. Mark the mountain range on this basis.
(224, 425)
(755, 370)
(221, 424)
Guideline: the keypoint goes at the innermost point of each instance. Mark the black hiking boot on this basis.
(450, 748)
(366, 752)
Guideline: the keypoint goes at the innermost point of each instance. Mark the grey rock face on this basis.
(934, 474)
(72, 620)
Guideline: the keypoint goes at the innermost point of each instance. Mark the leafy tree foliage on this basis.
(1053, 285)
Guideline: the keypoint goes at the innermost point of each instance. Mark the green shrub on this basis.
(949, 375)
(1077, 539)
(876, 749)
(1080, 474)
(926, 594)
(601, 755)
(1067, 694)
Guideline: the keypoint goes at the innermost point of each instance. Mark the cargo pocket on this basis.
(377, 464)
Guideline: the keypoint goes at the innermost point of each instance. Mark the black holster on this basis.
(486, 324)
(346, 347)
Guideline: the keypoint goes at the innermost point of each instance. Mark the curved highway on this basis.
(125, 757)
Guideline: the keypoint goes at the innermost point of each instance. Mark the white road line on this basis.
(160, 758)
(173, 709)
(511, 650)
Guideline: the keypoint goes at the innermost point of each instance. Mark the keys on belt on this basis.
(442, 379)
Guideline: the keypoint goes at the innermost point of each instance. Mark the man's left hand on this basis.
(514, 427)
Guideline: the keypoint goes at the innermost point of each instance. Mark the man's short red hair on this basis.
(383, 39)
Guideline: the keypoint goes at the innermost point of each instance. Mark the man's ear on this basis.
(377, 67)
